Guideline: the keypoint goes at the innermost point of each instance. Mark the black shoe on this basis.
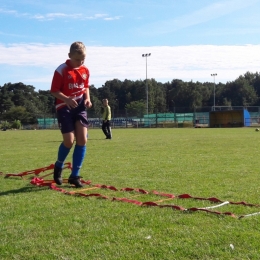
(76, 181)
(57, 175)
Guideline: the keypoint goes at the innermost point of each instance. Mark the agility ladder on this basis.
(40, 181)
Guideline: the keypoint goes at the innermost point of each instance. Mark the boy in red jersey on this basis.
(71, 91)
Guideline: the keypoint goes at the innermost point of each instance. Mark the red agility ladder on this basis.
(41, 181)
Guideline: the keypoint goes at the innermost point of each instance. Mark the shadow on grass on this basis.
(24, 190)
(97, 139)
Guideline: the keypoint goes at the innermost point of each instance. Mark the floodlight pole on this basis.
(214, 75)
(146, 55)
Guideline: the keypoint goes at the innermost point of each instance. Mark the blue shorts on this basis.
(68, 117)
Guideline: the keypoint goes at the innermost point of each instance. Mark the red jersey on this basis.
(70, 81)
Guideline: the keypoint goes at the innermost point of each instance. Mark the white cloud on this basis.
(5, 11)
(34, 64)
(203, 15)
(112, 18)
(53, 16)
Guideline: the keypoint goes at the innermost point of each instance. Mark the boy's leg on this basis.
(77, 159)
(63, 152)
(108, 127)
(66, 124)
(104, 128)
(78, 154)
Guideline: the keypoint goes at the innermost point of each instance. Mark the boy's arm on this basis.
(109, 111)
(106, 113)
(87, 101)
(69, 101)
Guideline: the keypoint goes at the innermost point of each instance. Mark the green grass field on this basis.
(39, 223)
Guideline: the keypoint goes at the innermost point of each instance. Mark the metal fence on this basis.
(178, 117)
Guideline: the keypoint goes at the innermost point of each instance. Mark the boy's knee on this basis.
(68, 144)
(81, 142)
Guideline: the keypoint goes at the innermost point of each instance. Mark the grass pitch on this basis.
(39, 223)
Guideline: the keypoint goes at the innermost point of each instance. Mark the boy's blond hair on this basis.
(77, 47)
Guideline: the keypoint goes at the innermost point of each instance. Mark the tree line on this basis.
(21, 102)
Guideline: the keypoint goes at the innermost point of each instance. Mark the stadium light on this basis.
(145, 56)
(214, 75)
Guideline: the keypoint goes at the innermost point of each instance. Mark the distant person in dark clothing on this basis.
(106, 119)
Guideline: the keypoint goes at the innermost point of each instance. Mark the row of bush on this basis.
(16, 124)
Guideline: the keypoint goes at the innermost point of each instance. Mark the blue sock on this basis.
(62, 154)
(78, 157)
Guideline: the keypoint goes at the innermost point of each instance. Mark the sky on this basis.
(187, 39)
